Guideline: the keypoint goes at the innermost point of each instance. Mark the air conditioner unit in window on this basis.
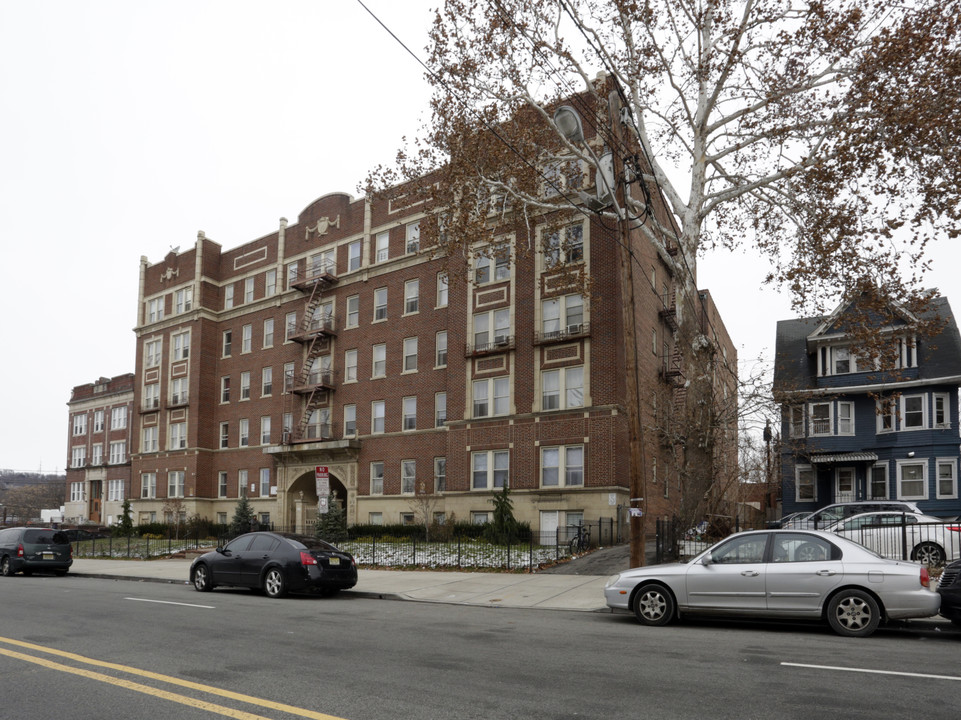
(500, 340)
(575, 329)
(285, 438)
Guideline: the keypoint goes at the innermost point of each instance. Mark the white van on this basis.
(830, 514)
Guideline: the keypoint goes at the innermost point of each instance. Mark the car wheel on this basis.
(654, 605)
(202, 581)
(5, 569)
(275, 584)
(809, 552)
(928, 553)
(853, 613)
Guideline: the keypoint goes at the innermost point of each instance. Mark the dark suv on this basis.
(25, 549)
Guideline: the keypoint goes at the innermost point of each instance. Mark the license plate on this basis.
(47, 556)
(334, 561)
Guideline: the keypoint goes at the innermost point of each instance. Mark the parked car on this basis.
(275, 562)
(25, 549)
(786, 520)
(796, 574)
(830, 514)
(925, 539)
(949, 588)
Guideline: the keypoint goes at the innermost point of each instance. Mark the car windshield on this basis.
(306, 542)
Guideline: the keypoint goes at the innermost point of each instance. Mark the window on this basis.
(842, 361)
(912, 412)
(350, 366)
(77, 492)
(479, 517)
(353, 311)
(151, 353)
(270, 282)
(148, 486)
(563, 388)
(375, 518)
(245, 385)
(222, 484)
(227, 343)
(562, 315)
(413, 237)
(80, 424)
(796, 421)
(350, 420)
(879, 482)
(493, 265)
(118, 452)
(410, 354)
(224, 435)
(290, 325)
(565, 246)
(178, 436)
(248, 290)
(440, 409)
(500, 321)
(440, 474)
(175, 484)
(408, 475)
(98, 421)
(78, 457)
(225, 389)
(246, 338)
(266, 381)
(380, 304)
(288, 377)
(292, 273)
(96, 456)
(820, 418)
(151, 396)
(382, 244)
(885, 415)
(410, 413)
(942, 410)
(490, 469)
(178, 391)
(440, 349)
(912, 480)
(242, 483)
(442, 290)
(150, 439)
(181, 345)
(244, 432)
(228, 296)
(265, 430)
(155, 310)
(353, 255)
(377, 416)
(562, 465)
(379, 353)
(947, 478)
(183, 300)
(264, 482)
(115, 491)
(411, 297)
(845, 418)
(485, 390)
(805, 484)
(377, 478)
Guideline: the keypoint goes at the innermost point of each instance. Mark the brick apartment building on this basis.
(98, 468)
(339, 341)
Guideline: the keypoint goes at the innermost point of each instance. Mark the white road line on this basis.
(874, 672)
(166, 602)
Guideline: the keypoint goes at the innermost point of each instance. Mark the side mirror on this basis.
(223, 551)
(707, 560)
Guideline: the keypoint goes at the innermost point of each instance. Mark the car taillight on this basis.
(925, 578)
(20, 550)
(307, 559)
(954, 528)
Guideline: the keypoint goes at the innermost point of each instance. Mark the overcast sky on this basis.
(126, 127)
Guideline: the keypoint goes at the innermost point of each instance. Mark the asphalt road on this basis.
(173, 653)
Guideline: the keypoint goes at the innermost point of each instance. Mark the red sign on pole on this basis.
(322, 478)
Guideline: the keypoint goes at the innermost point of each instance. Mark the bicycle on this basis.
(581, 541)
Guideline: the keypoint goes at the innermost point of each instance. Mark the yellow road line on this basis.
(293, 710)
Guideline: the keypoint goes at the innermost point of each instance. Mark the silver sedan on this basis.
(790, 574)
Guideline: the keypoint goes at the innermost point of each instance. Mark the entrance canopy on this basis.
(851, 457)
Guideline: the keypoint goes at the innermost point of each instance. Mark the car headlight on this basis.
(613, 580)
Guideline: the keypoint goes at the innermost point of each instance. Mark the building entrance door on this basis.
(844, 485)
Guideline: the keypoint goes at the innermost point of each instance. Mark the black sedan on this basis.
(949, 588)
(276, 562)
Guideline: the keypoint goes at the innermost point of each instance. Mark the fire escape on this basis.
(315, 331)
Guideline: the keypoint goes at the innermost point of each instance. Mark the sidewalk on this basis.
(515, 590)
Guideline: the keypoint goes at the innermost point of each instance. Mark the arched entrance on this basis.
(302, 499)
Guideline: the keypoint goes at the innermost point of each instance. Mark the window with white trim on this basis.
(820, 420)
(152, 353)
(382, 246)
(150, 442)
(96, 456)
(491, 397)
(440, 349)
(845, 418)
(564, 246)
(440, 409)
(264, 482)
(442, 290)
(562, 466)
(115, 490)
(440, 474)
(265, 430)
(380, 304)
(413, 237)
(155, 309)
(244, 432)
(270, 282)
(912, 479)
(492, 328)
(411, 297)
(181, 345)
(562, 315)
(410, 354)
(490, 469)
(562, 388)
(178, 391)
(228, 296)
(225, 389)
(353, 311)
(290, 325)
(409, 405)
(227, 344)
(98, 416)
(796, 421)
(350, 420)
(78, 457)
(222, 484)
(377, 417)
(178, 436)
(913, 412)
(118, 452)
(885, 412)
(493, 265)
(353, 255)
(408, 476)
(266, 381)
(77, 493)
(245, 385)
(379, 357)
(183, 300)
(247, 338)
(377, 478)
(350, 365)
(248, 290)
(242, 483)
(942, 410)
(947, 478)
(878, 486)
(148, 486)
(175, 484)
(224, 435)
(805, 484)
(80, 424)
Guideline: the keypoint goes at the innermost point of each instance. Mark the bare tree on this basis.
(423, 504)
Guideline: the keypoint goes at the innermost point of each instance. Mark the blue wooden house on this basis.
(851, 430)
